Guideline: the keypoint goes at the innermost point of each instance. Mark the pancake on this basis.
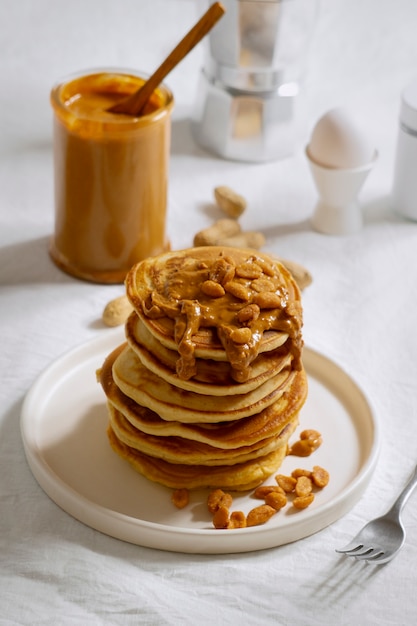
(212, 377)
(175, 404)
(203, 301)
(225, 435)
(239, 477)
(185, 451)
(207, 345)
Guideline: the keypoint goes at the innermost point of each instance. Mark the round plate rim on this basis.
(156, 535)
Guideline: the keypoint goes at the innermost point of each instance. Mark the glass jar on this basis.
(111, 175)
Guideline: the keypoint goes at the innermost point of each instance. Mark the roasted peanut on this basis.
(221, 517)
(212, 289)
(180, 498)
(300, 472)
(276, 499)
(293, 308)
(237, 290)
(241, 335)
(287, 483)
(302, 447)
(309, 441)
(213, 234)
(237, 520)
(259, 515)
(268, 300)
(320, 476)
(230, 202)
(303, 486)
(117, 311)
(302, 502)
(218, 498)
(227, 500)
(262, 284)
(222, 271)
(248, 270)
(249, 313)
(265, 267)
(261, 492)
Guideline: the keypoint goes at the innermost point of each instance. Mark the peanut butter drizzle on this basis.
(182, 293)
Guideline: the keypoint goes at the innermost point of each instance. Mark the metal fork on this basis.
(382, 538)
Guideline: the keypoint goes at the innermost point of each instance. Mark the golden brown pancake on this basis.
(212, 377)
(225, 435)
(175, 404)
(239, 477)
(208, 387)
(185, 451)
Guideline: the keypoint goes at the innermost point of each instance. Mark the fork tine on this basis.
(350, 548)
(383, 557)
(360, 552)
(367, 554)
(372, 556)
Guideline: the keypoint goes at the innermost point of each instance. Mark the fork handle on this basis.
(406, 493)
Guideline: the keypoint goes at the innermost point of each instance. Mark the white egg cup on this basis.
(338, 212)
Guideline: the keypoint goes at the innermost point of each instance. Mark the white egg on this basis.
(338, 142)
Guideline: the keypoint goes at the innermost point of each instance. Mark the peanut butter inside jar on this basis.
(111, 176)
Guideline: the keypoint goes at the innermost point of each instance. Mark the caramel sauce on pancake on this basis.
(254, 296)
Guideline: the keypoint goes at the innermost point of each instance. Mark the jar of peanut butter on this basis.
(111, 175)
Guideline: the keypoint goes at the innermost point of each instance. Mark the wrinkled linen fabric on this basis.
(360, 311)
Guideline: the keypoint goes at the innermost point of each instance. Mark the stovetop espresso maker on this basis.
(248, 90)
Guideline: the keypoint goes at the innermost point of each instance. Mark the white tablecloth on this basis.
(359, 311)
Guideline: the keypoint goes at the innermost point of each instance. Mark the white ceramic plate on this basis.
(63, 427)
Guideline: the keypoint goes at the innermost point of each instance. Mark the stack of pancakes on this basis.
(207, 389)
